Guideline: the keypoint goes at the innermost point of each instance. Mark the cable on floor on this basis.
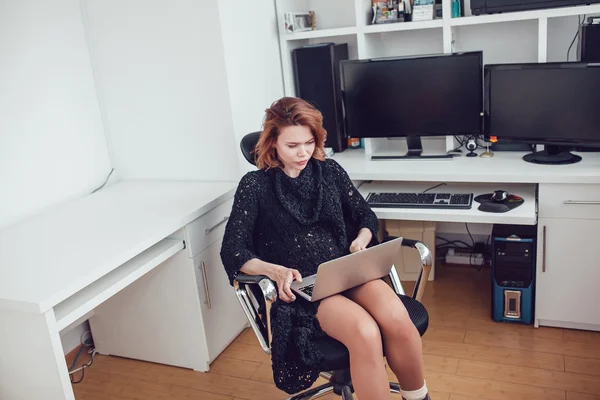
(469, 232)
(86, 343)
(459, 244)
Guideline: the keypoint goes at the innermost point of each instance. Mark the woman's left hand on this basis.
(362, 240)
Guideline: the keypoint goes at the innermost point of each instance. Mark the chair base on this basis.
(339, 383)
(313, 393)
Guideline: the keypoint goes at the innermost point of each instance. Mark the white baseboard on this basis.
(569, 325)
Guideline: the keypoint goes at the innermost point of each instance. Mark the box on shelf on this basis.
(408, 263)
(388, 12)
(299, 21)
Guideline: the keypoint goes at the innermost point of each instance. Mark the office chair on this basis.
(256, 294)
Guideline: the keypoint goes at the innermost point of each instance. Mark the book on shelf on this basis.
(423, 10)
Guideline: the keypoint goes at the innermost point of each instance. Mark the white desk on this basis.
(60, 267)
(507, 167)
(562, 200)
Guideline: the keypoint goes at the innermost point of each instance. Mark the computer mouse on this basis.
(493, 207)
(499, 195)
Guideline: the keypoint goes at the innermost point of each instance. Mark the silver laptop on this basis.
(349, 271)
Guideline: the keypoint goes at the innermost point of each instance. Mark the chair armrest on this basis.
(266, 285)
(255, 279)
(426, 263)
(257, 286)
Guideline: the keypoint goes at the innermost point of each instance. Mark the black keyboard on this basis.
(421, 200)
(308, 289)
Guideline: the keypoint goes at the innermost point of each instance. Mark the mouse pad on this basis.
(510, 203)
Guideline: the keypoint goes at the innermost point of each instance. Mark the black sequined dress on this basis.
(298, 223)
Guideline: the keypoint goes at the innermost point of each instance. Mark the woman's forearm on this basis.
(365, 235)
(279, 274)
(259, 267)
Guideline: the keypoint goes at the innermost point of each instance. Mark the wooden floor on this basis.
(467, 357)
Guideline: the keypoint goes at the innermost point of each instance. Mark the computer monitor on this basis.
(555, 104)
(429, 95)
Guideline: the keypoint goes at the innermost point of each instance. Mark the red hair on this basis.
(288, 111)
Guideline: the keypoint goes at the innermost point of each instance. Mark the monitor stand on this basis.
(415, 150)
(552, 155)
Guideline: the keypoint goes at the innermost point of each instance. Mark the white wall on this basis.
(253, 64)
(392, 44)
(561, 32)
(517, 41)
(52, 144)
(331, 13)
(162, 81)
(502, 42)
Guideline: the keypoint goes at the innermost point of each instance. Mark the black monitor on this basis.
(429, 95)
(555, 104)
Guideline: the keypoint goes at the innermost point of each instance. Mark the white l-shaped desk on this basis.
(562, 200)
(140, 260)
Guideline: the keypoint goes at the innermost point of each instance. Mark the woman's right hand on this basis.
(283, 277)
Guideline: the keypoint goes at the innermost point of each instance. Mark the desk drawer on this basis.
(207, 229)
(569, 201)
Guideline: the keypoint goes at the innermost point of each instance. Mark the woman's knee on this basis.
(364, 335)
(398, 324)
(351, 324)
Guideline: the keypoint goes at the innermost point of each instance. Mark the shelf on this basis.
(319, 33)
(84, 301)
(404, 26)
(523, 215)
(525, 15)
(540, 36)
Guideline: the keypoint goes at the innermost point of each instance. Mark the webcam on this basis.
(471, 145)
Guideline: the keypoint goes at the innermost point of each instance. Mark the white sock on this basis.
(418, 394)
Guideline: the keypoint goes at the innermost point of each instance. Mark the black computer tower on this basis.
(317, 80)
(513, 273)
(589, 43)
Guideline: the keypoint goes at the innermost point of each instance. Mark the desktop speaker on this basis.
(513, 273)
(589, 43)
(317, 80)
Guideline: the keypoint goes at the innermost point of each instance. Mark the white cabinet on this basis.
(222, 314)
(156, 319)
(567, 286)
(568, 252)
(184, 312)
(207, 229)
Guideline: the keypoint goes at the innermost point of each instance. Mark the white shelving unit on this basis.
(524, 36)
(404, 26)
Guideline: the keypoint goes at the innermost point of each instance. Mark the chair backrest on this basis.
(247, 145)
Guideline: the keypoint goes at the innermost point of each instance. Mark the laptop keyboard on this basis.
(308, 289)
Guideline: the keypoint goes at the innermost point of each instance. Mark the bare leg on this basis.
(346, 321)
(402, 342)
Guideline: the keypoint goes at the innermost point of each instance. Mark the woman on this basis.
(297, 211)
